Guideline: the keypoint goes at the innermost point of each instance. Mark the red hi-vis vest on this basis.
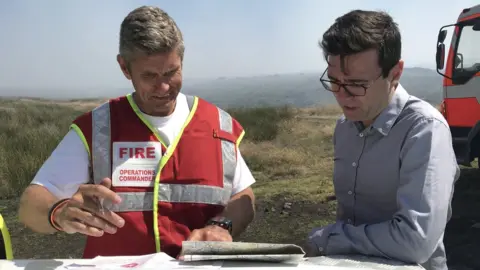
(179, 188)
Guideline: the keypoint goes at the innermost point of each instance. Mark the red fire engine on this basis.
(461, 83)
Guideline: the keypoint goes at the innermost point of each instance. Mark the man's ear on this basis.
(396, 73)
(123, 66)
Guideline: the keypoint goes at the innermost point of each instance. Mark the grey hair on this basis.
(149, 30)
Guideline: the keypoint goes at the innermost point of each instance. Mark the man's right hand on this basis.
(82, 213)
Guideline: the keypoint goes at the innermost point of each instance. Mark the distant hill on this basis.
(299, 90)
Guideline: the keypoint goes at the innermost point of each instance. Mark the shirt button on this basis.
(361, 134)
(320, 249)
(349, 221)
(349, 192)
(354, 164)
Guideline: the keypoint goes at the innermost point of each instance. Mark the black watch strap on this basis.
(222, 222)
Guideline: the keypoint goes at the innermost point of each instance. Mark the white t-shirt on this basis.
(67, 167)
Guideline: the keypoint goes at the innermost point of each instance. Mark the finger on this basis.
(86, 203)
(106, 182)
(90, 219)
(213, 235)
(76, 226)
(101, 192)
(112, 218)
(181, 254)
(93, 207)
(195, 235)
(71, 224)
(221, 238)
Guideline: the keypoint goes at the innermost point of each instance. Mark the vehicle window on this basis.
(468, 51)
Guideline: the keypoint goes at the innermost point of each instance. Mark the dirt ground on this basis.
(285, 221)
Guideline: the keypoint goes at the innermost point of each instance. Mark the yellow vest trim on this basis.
(82, 137)
(240, 138)
(7, 242)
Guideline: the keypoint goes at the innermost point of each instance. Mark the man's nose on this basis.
(163, 86)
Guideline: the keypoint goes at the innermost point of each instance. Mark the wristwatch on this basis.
(222, 222)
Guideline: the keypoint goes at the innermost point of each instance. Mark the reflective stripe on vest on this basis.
(143, 201)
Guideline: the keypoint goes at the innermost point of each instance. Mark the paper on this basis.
(146, 262)
(244, 251)
(360, 261)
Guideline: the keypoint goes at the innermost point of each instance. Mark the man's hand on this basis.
(82, 213)
(210, 233)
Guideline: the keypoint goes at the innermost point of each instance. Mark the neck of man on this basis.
(368, 123)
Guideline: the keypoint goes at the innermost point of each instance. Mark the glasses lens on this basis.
(327, 85)
(355, 90)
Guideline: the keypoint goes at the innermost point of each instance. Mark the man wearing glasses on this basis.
(394, 165)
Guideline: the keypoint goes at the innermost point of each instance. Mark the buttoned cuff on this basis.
(318, 240)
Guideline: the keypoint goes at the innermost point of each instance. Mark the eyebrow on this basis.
(349, 80)
(148, 73)
(173, 69)
(357, 80)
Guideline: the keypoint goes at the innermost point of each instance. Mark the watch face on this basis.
(221, 219)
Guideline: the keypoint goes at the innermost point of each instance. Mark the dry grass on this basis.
(324, 111)
(299, 156)
(288, 150)
(28, 133)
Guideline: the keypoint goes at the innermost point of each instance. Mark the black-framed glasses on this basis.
(353, 89)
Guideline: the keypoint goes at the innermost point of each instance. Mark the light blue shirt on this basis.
(394, 184)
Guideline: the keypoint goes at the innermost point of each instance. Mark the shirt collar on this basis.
(386, 119)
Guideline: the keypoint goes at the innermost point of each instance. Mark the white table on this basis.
(326, 263)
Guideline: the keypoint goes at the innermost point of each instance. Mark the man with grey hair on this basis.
(141, 173)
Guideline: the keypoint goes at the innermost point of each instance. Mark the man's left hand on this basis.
(210, 233)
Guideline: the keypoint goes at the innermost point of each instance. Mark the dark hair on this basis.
(361, 30)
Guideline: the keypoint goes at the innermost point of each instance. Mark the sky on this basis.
(58, 45)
